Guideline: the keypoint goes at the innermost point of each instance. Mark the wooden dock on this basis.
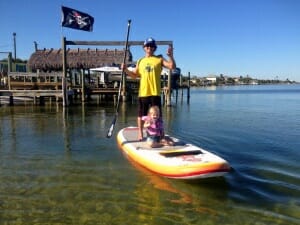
(39, 96)
(40, 87)
(33, 95)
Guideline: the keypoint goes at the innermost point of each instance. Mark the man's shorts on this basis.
(146, 102)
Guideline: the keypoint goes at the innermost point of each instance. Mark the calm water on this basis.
(59, 168)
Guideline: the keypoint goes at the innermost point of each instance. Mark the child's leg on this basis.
(167, 141)
(153, 142)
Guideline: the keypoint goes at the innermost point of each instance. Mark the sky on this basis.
(258, 38)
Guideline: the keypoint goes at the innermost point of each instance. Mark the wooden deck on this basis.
(21, 85)
(31, 93)
(99, 91)
(39, 96)
(10, 96)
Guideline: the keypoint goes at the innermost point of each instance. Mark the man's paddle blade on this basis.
(111, 129)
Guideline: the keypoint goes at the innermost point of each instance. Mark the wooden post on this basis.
(42, 100)
(11, 100)
(9, 62)
(9, 69)
(82, 86)
(8, 82)
(64, 81)
(188, 88)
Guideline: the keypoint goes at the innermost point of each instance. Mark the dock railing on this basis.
(34, 81)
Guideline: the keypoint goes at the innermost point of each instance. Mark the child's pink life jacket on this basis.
(156, 127)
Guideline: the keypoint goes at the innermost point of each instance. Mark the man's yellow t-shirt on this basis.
(149, 70)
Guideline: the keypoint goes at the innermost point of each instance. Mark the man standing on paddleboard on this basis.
(149, 70)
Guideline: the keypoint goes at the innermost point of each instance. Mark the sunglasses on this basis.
(149, 46)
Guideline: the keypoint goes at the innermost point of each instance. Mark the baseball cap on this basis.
(150, 41)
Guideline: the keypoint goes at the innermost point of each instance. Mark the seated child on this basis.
(155, 129)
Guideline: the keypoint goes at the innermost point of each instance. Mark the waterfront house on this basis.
(211, 79)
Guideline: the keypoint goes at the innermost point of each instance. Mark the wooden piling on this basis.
(64, 81)
(188, 88)
(11, 100)
(42, 100)
(82, 86)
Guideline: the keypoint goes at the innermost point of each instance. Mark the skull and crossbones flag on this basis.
(76, 20)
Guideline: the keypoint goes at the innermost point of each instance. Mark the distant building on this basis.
(212, 79)
(15, 67)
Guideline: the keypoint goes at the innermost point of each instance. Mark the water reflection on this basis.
(183, 193)
(66, 135)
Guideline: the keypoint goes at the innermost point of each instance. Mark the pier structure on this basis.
(63, 73)
(108, 43)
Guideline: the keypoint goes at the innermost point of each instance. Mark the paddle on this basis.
(111, 129)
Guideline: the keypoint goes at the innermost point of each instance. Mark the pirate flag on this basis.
(76, 20)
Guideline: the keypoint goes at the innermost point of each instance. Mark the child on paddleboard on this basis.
(155, 129)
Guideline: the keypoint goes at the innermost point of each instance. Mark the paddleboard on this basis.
(181, 161)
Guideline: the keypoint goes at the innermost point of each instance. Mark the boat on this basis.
(181, 161)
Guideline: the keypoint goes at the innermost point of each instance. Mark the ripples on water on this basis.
(60, 168)
(257, 129)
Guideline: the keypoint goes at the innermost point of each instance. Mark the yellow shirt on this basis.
(149, 70)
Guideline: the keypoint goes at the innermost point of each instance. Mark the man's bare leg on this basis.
(140, 126)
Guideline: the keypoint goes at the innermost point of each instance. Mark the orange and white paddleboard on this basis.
(181, 161)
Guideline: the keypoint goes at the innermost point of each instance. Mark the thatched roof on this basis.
(51, 59)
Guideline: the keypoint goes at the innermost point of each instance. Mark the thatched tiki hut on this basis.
(51, 59)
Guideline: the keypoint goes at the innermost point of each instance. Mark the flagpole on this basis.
(76, 20)
(64, 66)
(64, 75)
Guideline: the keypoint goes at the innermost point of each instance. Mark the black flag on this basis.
(77, 20)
